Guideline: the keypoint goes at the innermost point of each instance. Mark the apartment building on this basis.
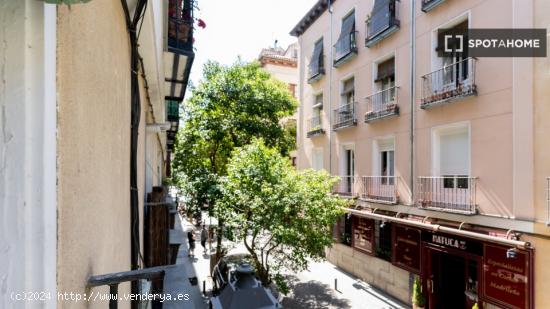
(87, 129)
(444, 157)
(282, 64)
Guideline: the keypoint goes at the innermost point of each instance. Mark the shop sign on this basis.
(406, 248)
(363, 234)
(453, 242)
(506, 275)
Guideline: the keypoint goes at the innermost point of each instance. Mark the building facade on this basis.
(443, 156)
(282, 64)
(71, 127)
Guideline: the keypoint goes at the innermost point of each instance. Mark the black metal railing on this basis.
(382, 104)
(316, 69)
(448, 193)
(381, 189)
(344, 116)
(428, 5)
(382, 22)
(345, 47)
(114, 279)
(180, 26)
(314, 126)
(451, 82)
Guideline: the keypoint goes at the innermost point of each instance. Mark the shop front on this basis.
(459, 272)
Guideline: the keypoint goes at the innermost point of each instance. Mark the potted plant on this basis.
(418, 299)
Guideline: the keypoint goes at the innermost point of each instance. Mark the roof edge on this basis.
(311, 16)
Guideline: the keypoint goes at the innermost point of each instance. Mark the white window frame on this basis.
(437, 132)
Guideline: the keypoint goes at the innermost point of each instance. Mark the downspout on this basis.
(330, 92)
(135, 103)
(412, 65)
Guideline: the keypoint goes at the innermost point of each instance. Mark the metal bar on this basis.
(151, 273)
(438, 228)
(113, 296)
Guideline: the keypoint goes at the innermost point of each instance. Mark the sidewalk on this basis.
(311, 289)
(314, 288)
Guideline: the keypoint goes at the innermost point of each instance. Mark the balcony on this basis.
(428, 5)
(344, 117)
(448, 193)
(379, 189)
(382, 105)
(314, 126)
(180, 26)
(316, 70)
(345, 186)
(345, 49)
(382, 22)
(450, 83)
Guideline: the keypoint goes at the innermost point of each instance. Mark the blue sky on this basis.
(242, 28)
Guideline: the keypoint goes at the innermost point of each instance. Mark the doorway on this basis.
(452, 280)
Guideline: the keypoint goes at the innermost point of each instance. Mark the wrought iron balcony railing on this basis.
(316, 69)
(344, 116)
(180, 26)
(382, 104)
(345, 186)
(382, 23)
(345, 48)
(380, 189)
(315, 126)
(428, 5)
(450, 83)
(448, 193)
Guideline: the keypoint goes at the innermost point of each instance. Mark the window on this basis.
(387, 167)
(453, 155)
(383, 240)
(318, 106)
(316, 65)
(346, 43)
(384, 160)
(382, 21)
(292, 89)
(348, 92)
(385, 80)
(455, 70)
(317, 159)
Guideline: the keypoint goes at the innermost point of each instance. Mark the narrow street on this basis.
(311, 289)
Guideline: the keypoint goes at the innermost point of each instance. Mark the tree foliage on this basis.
(230, 106)
(283, 216)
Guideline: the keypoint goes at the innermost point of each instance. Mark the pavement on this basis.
(311, 289)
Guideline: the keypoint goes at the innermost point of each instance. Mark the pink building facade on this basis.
(444, 156)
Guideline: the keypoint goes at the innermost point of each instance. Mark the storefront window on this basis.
(383, 241)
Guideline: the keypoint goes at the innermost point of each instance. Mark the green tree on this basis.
(283, 216)
(230, 106)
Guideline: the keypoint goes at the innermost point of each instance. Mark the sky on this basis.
(242, 28)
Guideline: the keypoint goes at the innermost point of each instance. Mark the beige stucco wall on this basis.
(500, 153)
(93, 146)
(375, 271)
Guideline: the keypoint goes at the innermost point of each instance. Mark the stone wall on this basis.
(372, 270)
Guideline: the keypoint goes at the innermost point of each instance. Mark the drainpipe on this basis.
(412, 65)
(330, 92)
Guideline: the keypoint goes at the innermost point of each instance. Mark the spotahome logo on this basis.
(492, 42)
